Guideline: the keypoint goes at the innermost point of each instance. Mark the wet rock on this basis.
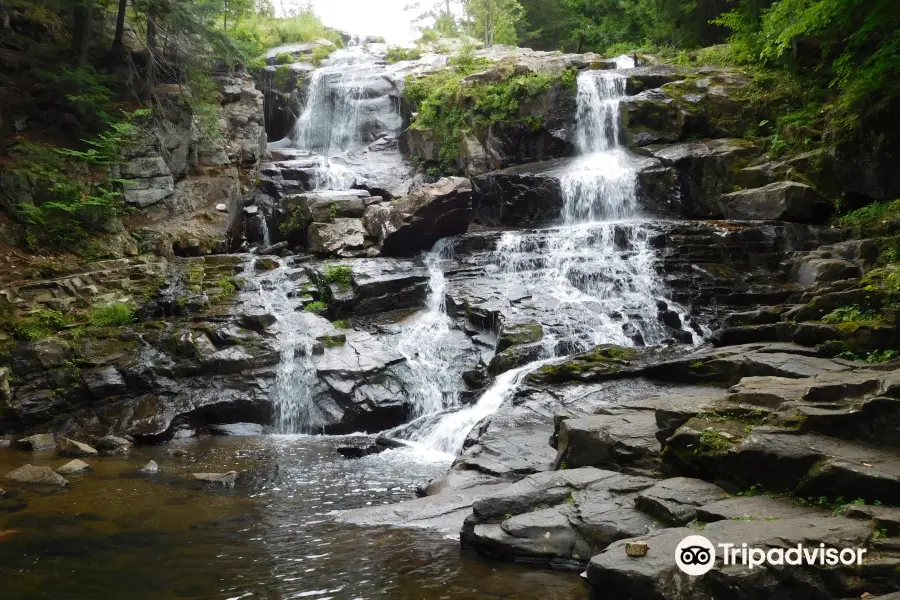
(151, 468)
(366, 446)
(513, 334)
(265, 264)
(258, 322)
(415, 222)
(605, 361)
(69, 447)
(104, 382)
(225, 480)
(237, 429)
(29, 474)
(519, 195)
(781, 201)
(559, 518)
(704, 171)
(273, 249)
(111, 445)
(74, 467)
(40, 441)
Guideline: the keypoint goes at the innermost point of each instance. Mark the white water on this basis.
(598, 266)
(295, 375)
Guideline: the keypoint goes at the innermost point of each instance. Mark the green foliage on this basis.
(396, 54)
(875, 356)
(228, 287)
(341, 324)
(258, 33)
(448, 107)
(429, 36)
(316, 307)
(494, 21)
(39, 325)
(848, 314)
(297, 222)
(332, 212)
(73, 191)
(320, 53)
(871, 213)
(204, 102)
(338, 274)
(713, 442)
(284, 58)
(83, 92)
(111, 315)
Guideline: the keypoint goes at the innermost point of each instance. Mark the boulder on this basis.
(705, 171)
(342, 237)
(781, 201)
(74, 467)
(41, 441)
(676, 501)
(69, 447)
(415, 222)
(625, 441)
(29, 474)
(521, 195)
(111, 445)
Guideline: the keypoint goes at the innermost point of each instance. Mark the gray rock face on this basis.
(429, 212)
(41, 476)
(675, 501)
(342, 237)
(621, 441)
(150, 181)
(704, 171)
(781, 201)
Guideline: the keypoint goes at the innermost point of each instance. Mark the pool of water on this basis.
(114, 534)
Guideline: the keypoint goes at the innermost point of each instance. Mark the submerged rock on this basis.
(237, 429)
(74, 467)
(225, 480)
(31, 474)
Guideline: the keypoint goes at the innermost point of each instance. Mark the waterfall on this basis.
(424, 343)
(295, 374)
(597, 268)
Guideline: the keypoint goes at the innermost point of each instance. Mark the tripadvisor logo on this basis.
(696, 555)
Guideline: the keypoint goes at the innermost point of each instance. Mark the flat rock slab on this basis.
(676, 501)
(30, 474)
(755, 508)
(225, 480)
(444, 512)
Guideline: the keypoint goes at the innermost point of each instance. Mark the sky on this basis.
(366, 17)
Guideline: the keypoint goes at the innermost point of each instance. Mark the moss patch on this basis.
(603, 362)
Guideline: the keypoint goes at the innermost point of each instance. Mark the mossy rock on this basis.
(606, 361)
(514, 334)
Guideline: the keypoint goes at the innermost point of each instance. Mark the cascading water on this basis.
(295, 375)
(423, 343)
(598, 266)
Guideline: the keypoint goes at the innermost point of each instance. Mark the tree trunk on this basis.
(118, 47)
(82, 21)
(150, 75)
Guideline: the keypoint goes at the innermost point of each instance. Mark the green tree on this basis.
(494, 21)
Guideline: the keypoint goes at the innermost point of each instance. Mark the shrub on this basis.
(340, 324)
(316, 307)
(320, 53)
(396, 54)
(338, 274)
(111, 315)
(40, 325)
(848, 314)
(284, 58)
